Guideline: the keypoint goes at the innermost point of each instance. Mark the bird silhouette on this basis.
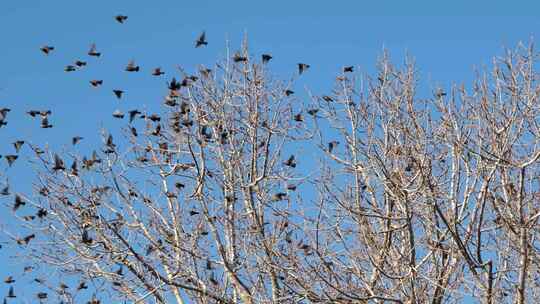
(70, 68)
(3, 116)
(157, 72)
(174, 85)
(302, 67)
(201, 40)
(25, 240)
(41, 295)
(11, 293)
(348, 69)
(120, 18)
(290, 162)
(279, 196)
(9, 280)
(118, 114)
(118, 93)
(298, 117)
(96, 83)
(47, 49)
(80, 63)
(45, 123)
(76, 139)
(239, 58)
(58, 163)
(289, 92)
(5, 191)
(93, 51)
(132, 67)
(11, 159)
(133, 114)
(327, 98)
(332, 145)
(19, 202)
(134, 131)
(266, 58)
(313, 112)
(18, 144)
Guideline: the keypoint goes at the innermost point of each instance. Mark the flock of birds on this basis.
(173, 85)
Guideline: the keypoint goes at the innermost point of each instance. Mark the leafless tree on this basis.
(240, 192)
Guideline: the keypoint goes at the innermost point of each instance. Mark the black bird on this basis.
(120, 18)
(290, 162)
(118, 93)
(312, 112)
(239, 58)
(110, 142)
(154, 118)
(26, 239)
(174, 85)
(93, 51)
(82, 285)
(11, 293)
(134, 131)
(42, 213)
(18, 144)
(41, 295)
(289, 92)
(70, 68)
(76, 139)
(327, 98)
(302, 67)
(132, 67)
(332, 145)
(47, 49)
(133, 114)
(201, 40)
(157, 72)
(279, 196)
(3, 115)
(85, 238)
(96, 83)
(18, 202)
(118, 114)
(298, 117)
(266, 58)
(45, 123)
(348, 69)
(9, 280)
(5, 191)
(80, 63)
(74, 169)
(11, 159)
(58, 163)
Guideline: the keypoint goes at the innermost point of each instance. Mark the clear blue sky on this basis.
(447, 39)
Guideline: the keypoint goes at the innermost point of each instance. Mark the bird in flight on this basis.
(132, 67)
(348, 69)
(121, 18)
(76, 139)
(118, 93)
(302, 67)
(18, 144)
(47, 49)
(266, 58)
(96, 83)
(201, 40)
(157, 72)
(93, 51)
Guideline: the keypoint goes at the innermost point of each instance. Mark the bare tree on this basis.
(239, 192)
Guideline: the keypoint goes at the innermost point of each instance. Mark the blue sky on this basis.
(448, 39)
